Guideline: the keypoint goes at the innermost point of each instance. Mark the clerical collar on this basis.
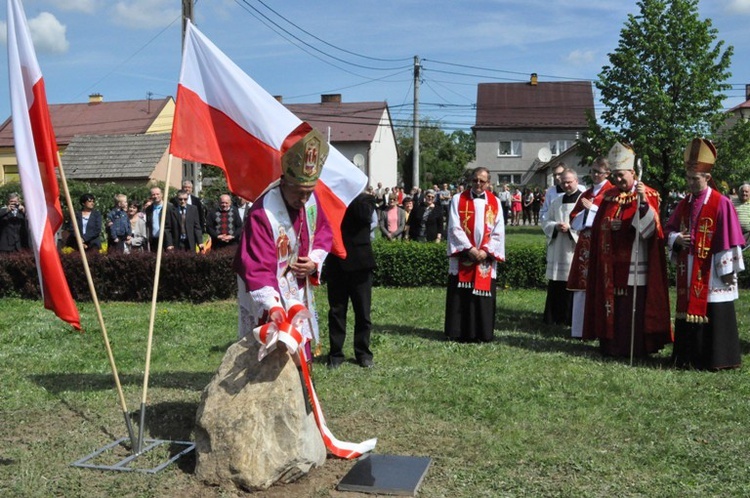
(474, 195)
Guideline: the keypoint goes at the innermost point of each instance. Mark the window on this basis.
(503, 178)
(10, 173)
(509, 148)
(557, 147)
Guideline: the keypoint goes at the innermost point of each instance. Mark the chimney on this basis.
(533, 80)
(96, 98)
(747, 92)
(330, 98)
(279, 98)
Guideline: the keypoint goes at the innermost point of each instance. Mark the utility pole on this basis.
(190, 169)
(415, 172)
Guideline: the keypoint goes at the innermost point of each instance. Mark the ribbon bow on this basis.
(284, 330)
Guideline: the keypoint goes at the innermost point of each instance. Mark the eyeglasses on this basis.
(598, 172)
(477, 180)
(182, 198)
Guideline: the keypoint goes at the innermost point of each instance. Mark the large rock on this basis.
(254, 427)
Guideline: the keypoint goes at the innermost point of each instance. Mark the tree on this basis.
(664, 86)
(732, 167)
(442, 157)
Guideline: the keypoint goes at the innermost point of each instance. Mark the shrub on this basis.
(198, 278)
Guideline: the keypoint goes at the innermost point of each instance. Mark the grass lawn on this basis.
(531, 414)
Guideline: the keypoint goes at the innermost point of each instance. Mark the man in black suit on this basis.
(182, 228)
(351, 278)
(193, 200)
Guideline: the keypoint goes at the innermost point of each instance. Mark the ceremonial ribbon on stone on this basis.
(286, 331)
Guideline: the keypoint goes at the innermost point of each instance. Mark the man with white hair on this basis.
(628, 266)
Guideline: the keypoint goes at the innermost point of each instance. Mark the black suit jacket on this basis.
(355, 233)
(13, 231)
(173, 230)
(194, 201)
(434, 224)
(92, 237)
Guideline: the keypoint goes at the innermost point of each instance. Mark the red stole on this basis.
(692, 301)
(609, 267)
(579, 268)
(472, 274)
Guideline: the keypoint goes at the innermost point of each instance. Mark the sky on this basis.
(131, 49)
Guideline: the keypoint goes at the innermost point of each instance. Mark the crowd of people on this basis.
(606, 267)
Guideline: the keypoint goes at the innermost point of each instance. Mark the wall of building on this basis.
(531, 142)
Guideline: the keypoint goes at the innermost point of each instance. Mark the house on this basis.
(94, 138)
(739, 112)
(361, 131)
(97, 133)
(523, 128)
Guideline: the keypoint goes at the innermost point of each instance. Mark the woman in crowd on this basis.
(138, 233)
(515, 207)
(426, 221)
(89, 224)
(392, 220)
(528, 200)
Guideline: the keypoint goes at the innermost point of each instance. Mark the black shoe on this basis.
(334, 362)
(366, 363)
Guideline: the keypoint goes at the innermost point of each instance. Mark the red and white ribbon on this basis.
(285, 331)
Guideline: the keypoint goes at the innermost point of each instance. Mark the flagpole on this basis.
(95, 299)
(154, 293)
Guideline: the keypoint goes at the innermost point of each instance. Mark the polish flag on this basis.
(226, 119)
(36, 151)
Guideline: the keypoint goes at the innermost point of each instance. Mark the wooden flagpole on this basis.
(154, 293)
(95, 299)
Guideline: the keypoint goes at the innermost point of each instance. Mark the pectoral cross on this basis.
(608, 307)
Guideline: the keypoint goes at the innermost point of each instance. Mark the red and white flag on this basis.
(36, 151)
(223, 117)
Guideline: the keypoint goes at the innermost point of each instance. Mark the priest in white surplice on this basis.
(561, 244)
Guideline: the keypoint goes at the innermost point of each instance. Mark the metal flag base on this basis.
(124, 465)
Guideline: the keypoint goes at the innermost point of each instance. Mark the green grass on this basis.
(531, 414)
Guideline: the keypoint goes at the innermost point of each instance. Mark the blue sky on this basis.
(127, 49)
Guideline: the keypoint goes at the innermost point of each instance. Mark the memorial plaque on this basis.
(386, 474)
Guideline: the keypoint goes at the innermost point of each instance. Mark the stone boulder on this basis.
(254, 426)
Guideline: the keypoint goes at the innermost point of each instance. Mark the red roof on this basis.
(744, 105)
(348, 122)
(558, 104)
(129, 117)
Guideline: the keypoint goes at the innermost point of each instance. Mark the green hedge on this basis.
(199, 278)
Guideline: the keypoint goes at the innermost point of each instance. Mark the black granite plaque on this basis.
(386, 474)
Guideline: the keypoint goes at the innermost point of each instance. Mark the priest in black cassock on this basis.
(476, 242)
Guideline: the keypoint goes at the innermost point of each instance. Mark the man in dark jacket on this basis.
(351, 278)
(182, 229)
(13, 230)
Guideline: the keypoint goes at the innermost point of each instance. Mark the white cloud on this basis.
(580, 57)
(87, 6)
(48, 34)
(739, 6)
(146, 13)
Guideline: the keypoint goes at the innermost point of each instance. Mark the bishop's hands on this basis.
(303, 267)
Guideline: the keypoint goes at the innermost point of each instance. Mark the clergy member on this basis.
(627, 267)
(561, 243)
(705, 242)
(285, 240)
(476, 242)
(581, 220)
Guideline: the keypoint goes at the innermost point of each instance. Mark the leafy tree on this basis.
(732, 167)
(442, 156)
(663, 86)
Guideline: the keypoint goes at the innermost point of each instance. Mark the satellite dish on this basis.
(359, 160)
(544, 154)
